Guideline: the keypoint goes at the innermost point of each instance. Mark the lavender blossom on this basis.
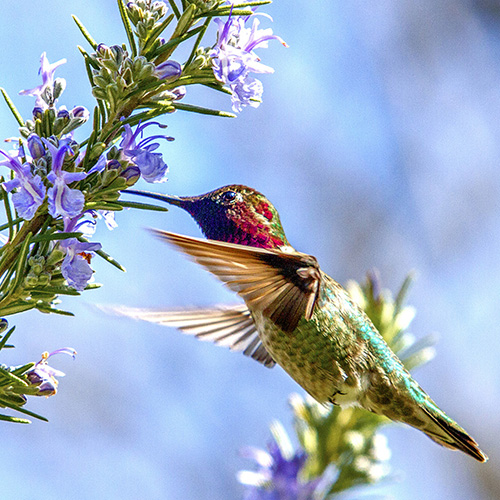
(75, 267)
(151, 165)
(233, 59)
(62, 199)
(44, 375)
(279, 471)
(47, 71)
(31, 190)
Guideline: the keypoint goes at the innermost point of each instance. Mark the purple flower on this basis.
(35, 146)
(279, 470)
(30, 188)
(76, 265)
(62, 199)
(151, 165)
(233, 59)
(168, 70)
(47, 71)
(44, 375)
(246, 92)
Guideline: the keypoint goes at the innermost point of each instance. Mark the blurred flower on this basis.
(31, 190)
(47, 71)
(233, 59)
(45, 375)
(62, 199)
(151, 165)
(279, 470)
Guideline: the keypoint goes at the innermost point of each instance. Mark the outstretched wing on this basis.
(230, 326)
(283, 286)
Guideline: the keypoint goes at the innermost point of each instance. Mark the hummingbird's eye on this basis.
(228, 197)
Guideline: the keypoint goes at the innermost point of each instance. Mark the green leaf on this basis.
(197, 42)
(8, 213)
(12, 107)
(54, 290)
(102, 205)
(110, 259)
(10, 378)
(7, 404)
(14, 222)
(128, 27)
(45, 308)
(255, 3)
(15, 420)
(6, 337)
(225, 12)
(55, 236)
(401, 297)
(153, 35)
(93, 286)
(22, 369)
(164, 51)
(21, 261)
(174, 8)
(85, 32)
(16, 308)
(203, 111)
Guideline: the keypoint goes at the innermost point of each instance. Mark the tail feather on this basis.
(450, 434)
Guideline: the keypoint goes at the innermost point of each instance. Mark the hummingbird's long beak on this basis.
(178, 201)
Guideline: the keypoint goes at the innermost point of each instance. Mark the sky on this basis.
(378, 142)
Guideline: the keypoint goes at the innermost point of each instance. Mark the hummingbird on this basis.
(294, 314)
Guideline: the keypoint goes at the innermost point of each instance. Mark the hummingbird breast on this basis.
(325, 355)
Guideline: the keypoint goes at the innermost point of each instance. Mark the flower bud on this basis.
(35, 146)
(37, 112)
(62, 113)
(131, 175)
(59, 86)
(80, 112)
(168, 70)
(4, 324)
(179, 92)
(103, 50)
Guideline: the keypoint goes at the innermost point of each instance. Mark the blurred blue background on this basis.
(378, 141)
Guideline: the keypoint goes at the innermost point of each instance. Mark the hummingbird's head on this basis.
(235, 214)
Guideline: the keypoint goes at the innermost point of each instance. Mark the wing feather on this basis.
(230, 326)
(284, 286)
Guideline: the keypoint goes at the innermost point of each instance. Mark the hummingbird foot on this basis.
(331, 399)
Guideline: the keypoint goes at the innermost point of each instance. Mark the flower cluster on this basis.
(233, 59)
(44, 376)
(151, 165)
(280, 471)
(53, 170)
(56, 186)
